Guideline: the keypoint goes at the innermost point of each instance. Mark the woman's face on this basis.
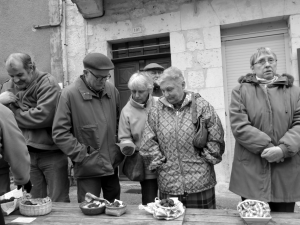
(140, 95)
(265, 67)
(172, 90)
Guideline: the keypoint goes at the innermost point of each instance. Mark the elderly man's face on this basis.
(172, 90)
(154, 73)
(265, 67)
(20, 76)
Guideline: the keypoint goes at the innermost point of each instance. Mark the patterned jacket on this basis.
(167, 146)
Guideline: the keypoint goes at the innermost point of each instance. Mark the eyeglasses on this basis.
(100, 78)
(263, 61)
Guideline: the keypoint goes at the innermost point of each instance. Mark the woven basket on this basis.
(91, 211)
(35, 210)
(115, 211)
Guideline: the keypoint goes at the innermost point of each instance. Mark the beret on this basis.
(97, 63)
(153, 66)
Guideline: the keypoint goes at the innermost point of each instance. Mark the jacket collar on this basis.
(86, 93)
(141, 106)
(186, 101)
(283, 80)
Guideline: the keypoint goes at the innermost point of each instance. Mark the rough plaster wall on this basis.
(17, 19)
(194, 35)
(294, 28)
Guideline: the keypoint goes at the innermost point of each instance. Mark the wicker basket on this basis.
(36, 210)
(115, 211)
(91, 211)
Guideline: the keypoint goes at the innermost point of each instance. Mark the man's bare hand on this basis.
(7, 97)
(273, 154)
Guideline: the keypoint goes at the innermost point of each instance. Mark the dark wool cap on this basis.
(97, 63)
(153, 66)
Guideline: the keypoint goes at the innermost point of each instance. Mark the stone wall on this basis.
(194, 29)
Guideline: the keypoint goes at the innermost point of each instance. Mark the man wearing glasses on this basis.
(85, 128)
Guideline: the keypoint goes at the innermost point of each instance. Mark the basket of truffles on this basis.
(117, 208)
(35, 206)
(93, 205)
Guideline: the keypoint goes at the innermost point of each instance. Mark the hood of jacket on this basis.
(283, 80)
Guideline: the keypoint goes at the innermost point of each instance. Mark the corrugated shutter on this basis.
(237, 59)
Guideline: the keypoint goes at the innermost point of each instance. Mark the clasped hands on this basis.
(7, 97)
(273, 154)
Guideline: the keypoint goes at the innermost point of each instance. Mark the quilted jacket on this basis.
(167, 146)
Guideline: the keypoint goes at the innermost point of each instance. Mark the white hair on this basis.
(140, 80)
(172, 73)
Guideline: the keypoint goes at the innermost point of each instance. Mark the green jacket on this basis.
(12, 147)
(260, 118)
(85, 127)
(34, 111)
(167, 146)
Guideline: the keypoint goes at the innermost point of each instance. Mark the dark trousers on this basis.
(4, 183)
(149, 190)
(1, 217)
(110, 186)
(280, 206)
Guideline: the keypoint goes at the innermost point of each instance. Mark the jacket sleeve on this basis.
(62, 135)
(124, 131)
(41, 116)
(14, 147)
(244, 133)
(215, 146)
(290, 141)
(149, 149)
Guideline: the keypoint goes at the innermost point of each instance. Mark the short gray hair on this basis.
(261, 51)
(172, 73)
(140, 80)
(23, 58)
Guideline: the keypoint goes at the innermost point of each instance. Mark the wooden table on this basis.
(229, 216)
(70, 214)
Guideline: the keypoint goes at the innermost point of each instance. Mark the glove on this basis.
(27, 187)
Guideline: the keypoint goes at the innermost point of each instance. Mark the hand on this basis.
(27, 187)
(7, 97)
(272, 154)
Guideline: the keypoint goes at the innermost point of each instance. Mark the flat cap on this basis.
(98, 63)
(153, 66)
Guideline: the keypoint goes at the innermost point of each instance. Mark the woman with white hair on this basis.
(183, 171)
(132, 122)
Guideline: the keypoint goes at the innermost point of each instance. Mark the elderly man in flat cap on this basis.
(85, 128)
(32, 96)
(155, 70)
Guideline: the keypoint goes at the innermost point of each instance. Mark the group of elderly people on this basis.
(264, 117)
(265, 121)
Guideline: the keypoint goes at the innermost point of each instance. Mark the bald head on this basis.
(14, 61)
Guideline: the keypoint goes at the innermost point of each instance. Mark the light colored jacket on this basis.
(86, 122)
(13, 147)
(167, 146)
(132, 123)
(261, 118)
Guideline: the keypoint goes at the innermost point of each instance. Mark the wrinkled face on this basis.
(155, 74)
(97, 82)
(140, 95)
(172, 90)
(265, 67)
(20, 76)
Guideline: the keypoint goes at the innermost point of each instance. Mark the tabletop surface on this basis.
(70, 213)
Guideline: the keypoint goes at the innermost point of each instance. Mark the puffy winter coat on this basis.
(167, 146)
(262, 117)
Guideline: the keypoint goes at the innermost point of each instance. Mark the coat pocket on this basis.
(90, 135)
(91, 166)
(244, 155)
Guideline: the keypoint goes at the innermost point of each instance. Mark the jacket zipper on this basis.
(179, 158)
